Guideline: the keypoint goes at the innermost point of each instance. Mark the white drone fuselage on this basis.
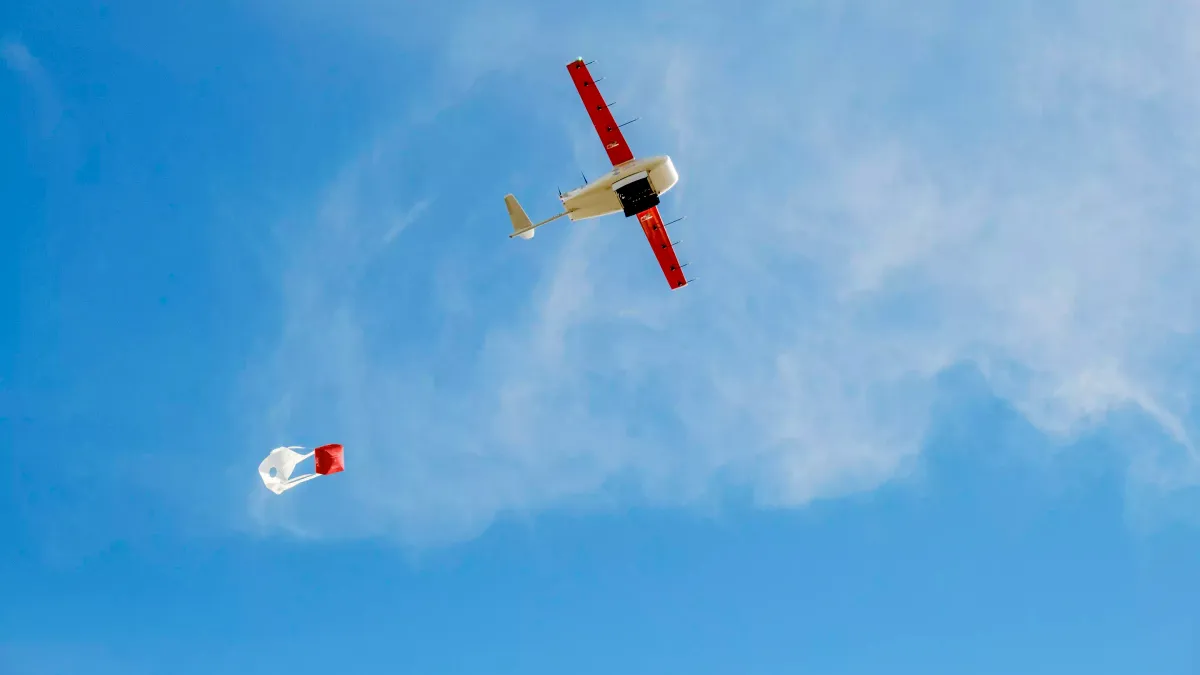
(602, 196)
(629, 188)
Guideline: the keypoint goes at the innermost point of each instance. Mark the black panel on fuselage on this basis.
(637, 197)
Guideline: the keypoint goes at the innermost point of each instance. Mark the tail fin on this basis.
(520, 222)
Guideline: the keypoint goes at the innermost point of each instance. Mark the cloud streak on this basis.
(874, 198)
(18, 59)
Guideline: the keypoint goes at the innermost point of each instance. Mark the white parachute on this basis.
(276, 470)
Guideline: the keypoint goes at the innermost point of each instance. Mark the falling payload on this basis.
(276, 470)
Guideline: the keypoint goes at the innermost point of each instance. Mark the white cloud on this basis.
(873, 198)
(18, 59)
(46, 658)
(405, 220)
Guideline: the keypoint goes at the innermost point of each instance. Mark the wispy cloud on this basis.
(17, 57)
(405, 220)
(51, 658)
(874, 198)
(19, 60)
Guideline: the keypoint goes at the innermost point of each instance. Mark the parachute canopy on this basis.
(276, 470)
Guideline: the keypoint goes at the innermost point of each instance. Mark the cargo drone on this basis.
(632, 187)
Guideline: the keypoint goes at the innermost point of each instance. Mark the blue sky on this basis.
(926, 409)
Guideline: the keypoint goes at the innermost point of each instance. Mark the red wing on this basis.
(656, 233)
(610, 134)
